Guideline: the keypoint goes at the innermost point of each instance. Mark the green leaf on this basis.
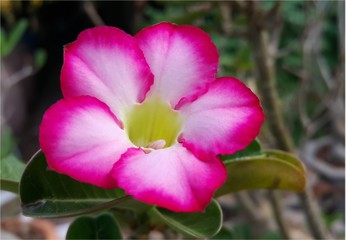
(11, 171)
(7, 142)
(40, 58)
(11, 167)
(101, 227)
(189, 17)
(14, 37)
(224, 234)
(285, 156)
(243, 58)
(45, 193)
(271, 235)
(200, 224)
(3, 40)
(242, 231)
(253, 149)
(264, 173)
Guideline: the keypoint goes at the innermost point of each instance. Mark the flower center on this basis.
(153, 124)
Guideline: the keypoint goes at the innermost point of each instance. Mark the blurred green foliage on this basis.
(235, 53)
(11, 166)
(11, 39)
(296, 55)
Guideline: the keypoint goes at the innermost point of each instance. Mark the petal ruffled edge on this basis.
(81, 138)
(183, 59)
(224, 120)
(106, 63)
(171, 178)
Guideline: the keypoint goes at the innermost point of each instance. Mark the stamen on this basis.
(159, 144)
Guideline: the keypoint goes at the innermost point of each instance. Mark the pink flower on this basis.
(146, 114)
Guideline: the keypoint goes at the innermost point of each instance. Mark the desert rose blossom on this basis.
(148, 115)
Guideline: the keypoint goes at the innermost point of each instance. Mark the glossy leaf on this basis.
(45, 193)
(288, 157)
(200, 224)
(11, 171)
(263, 173)
(101, 227)
(253, 149)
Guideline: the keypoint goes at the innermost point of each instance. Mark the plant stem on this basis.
(264, 66)
(313, 213)
(278, 213)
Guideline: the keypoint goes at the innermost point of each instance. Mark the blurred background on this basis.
(291, 53)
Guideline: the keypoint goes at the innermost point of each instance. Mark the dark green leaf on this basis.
(242, 231)
(45, 193)
(254, 149)
(263, 173)
(101, 227)
(11, 171)
(271, 235)
(224, 234)
(200, 225)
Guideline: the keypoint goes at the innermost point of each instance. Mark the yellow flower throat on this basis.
(153, 124)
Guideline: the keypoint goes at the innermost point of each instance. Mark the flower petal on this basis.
(106, 63)
(81, 138)
(172, 178)
(222, 121)
(183, 60)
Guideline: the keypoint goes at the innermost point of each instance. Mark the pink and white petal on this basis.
(106, 63)
(183, 60)
(224, 120)
(172, 178)
(81, 138)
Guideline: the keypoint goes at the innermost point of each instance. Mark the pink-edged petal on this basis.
(106, 63)
(171, 178)
(81, 138)
(183, 60)
(224, 120)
